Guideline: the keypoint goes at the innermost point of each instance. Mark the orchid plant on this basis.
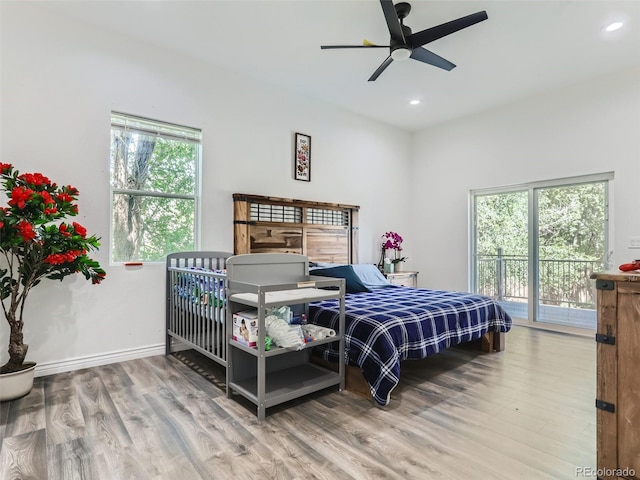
(36, 243)
(393, 241)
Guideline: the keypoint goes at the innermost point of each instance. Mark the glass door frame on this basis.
(532, 190)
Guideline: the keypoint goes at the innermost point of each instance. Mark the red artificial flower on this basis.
(64, 197)
(34, 178)
(4, 167)
(74, 209)
(50, 211)
(54, 259)
(1, 224)
(25, 230)
(46, 198)
(63, 230)
(72, 190)
(98, 278)
(80, 230)
(19, 195)
(65, 257)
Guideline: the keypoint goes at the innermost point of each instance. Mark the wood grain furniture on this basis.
(322, 231)
(279, 374)
(618, 375)
(406, 279)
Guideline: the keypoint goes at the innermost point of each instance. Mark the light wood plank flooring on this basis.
(527, 413)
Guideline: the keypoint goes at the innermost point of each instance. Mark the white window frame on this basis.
(162, 129)
(532, 189)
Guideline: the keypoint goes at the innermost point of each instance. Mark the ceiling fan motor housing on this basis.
(402, 9)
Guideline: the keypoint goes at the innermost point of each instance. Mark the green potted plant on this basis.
(36, 243)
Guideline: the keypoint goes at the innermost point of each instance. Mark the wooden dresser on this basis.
(618, 375)
(407, 279)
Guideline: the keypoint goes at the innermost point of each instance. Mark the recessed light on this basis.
(414, 102)
(612, 27)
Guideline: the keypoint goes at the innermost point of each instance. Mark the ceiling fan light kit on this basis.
(400, 54)
(404, 44)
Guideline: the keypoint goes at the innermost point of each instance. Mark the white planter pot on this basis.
(17, 384)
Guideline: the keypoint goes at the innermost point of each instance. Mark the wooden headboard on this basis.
(324, 232)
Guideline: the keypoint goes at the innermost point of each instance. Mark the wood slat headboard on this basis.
(324, 232)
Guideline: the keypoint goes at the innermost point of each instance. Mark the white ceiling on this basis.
(524, 48)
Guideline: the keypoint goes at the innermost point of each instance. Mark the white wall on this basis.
(59, 82)
(588, 128)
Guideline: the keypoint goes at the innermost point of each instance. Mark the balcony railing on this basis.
(563, 283)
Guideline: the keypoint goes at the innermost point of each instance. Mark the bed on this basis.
(390, 324)
(385, 324)
(195, 304)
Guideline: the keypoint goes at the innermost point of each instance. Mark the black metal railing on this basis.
(562, 282)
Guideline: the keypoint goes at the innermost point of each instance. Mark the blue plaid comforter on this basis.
(388, 325)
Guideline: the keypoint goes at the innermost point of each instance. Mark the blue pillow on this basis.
(352, 281)
(370, 276)
(324, 265)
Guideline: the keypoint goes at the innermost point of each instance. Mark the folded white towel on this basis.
(284, 335)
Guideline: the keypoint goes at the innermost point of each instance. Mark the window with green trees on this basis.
(536, 247)
(154, 188)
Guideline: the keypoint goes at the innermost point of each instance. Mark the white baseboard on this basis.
(69, 365)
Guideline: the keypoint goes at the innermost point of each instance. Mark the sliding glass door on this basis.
(571, 241)
(502, 249)
(535, 247)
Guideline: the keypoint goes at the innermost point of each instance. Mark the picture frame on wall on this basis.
(302, 157)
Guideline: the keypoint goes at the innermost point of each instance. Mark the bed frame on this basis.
(324, 232)
(195, 312)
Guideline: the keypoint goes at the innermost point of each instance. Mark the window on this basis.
(535, 247)
(154, 188)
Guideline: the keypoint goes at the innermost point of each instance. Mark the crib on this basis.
(196, 305)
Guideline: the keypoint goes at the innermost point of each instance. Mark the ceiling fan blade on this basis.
(327, 47)
(381, 68)
(393, 23)
(424, 55)
(434, 33)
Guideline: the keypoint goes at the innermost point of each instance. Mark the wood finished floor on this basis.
(524, 413)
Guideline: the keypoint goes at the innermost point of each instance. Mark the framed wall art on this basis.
(302, 157)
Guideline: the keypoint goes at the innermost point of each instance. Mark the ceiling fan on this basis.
(404, 44)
